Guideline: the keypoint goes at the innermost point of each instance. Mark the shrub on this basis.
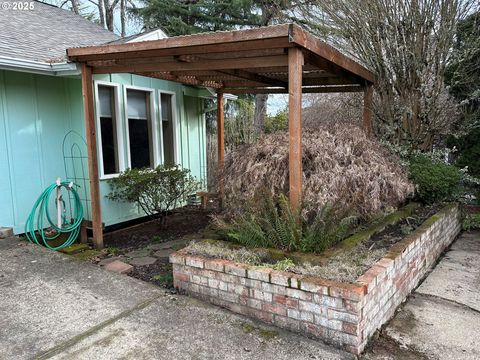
(341, 166)
(278, 122)
(269, 221)
(471, 222)
(155, 191)
(435, 181)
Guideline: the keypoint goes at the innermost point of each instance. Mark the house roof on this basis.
(156, 34)
(43, 34)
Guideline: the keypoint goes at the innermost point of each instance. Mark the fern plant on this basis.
(269, 221)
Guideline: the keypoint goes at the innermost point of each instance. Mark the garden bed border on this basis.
(342, 314)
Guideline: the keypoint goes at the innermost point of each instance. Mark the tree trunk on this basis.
(122, 17)
(109, 15)
(101, 13)
(260, 111)
(75, 6)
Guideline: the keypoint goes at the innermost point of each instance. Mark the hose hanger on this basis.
(36, 226)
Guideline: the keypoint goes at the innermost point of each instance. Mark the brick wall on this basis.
(342, 314)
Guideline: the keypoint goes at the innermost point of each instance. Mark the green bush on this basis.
(269, 221)
(471, 222)
(435, 181)
(155, 191)
(278, 122)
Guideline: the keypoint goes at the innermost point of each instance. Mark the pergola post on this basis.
(367, 109)
(87, 93)
(295, 65)
(220, 144)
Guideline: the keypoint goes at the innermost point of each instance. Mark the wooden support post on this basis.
(367, 110)
(220, 144)
(295, 65)
(87, 93)
(83, 232)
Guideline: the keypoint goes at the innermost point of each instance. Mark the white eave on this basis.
(38, 67)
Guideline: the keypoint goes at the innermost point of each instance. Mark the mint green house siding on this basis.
(37, 111)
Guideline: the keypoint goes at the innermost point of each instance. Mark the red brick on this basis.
(275, 309)
(286, 301)
(216, 264)
(347, 291)
(350, 328)
(181, 276)
(262, 274)
(177, 258)
(194, 261)
(119, 267)
(236, 269)
(280, 278)
(315, 285)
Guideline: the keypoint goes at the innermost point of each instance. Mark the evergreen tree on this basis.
(184, 17)
(462, 76)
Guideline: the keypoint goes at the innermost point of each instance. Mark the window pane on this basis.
(166, 100)
(105, 96)
(107, 132)
(167, 128)
(139, 143)
(137, 104)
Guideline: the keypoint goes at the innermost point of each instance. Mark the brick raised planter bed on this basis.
(342, 314)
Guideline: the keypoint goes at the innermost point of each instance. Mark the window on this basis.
(107, 126)
(139, 129)
(168, 131)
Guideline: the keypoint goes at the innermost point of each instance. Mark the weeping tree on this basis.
(407, 43)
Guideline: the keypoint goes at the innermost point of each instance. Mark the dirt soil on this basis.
(182, 226)
(394, 233)
(183, 221)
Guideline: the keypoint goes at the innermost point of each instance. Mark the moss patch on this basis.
(87, 255)
(264, 333)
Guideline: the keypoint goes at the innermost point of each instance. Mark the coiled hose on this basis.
(35, 229)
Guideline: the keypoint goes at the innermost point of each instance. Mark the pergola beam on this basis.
(88, 109)
(305, 90)
(295, 68)
(224, 64)
(246, 75)
(220, 144)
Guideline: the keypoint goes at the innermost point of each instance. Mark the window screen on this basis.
(139, 129)
(108, 131)
(167, 128)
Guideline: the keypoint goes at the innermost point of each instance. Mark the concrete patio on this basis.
(53, 306)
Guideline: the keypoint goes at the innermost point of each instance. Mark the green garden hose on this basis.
(35, 229)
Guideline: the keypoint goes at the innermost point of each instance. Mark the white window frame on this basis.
(118, 127)
(153, 122)
(174, 124)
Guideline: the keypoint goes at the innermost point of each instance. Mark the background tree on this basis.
(183, 17)
(407, 44)
(462, 76)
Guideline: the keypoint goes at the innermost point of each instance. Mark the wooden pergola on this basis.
(270, 60)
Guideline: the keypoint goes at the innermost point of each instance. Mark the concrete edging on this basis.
(342, 314)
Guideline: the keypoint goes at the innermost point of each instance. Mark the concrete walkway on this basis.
(55, 307)
(441, 320)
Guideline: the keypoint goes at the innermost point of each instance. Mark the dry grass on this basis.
(345, 267)
(341, 168)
